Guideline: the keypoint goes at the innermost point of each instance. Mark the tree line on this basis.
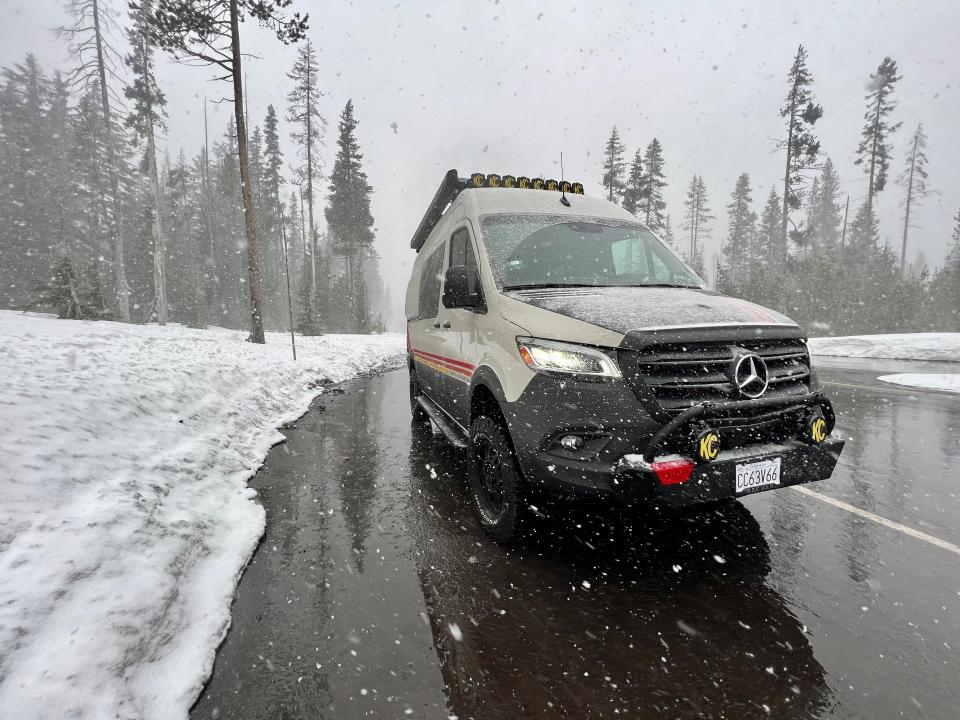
(99, 223)
(799, 250)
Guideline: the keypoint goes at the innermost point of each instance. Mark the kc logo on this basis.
(708, 445)
(818, 430)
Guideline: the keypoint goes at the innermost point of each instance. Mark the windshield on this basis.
(527, 251)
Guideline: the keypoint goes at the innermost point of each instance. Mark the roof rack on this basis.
(452, 185)
(447, 192)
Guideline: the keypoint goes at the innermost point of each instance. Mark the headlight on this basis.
(557, 357)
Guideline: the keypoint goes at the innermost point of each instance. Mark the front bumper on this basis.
(634, 478)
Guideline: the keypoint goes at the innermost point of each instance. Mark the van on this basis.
(570, 352)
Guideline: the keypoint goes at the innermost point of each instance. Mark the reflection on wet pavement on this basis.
(376, 594)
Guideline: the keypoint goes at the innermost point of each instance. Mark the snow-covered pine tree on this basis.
(652, 205)
(348, 212)
(208, 31)
(914, 182)
(800, 112)
(614, 166)
(145, 116)
(634, 185)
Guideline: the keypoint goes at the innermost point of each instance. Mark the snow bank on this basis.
(944, 347)
(949, 382)
(125, 517)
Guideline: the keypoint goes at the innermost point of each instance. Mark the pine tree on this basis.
(309, 127)
(348, 209)
(802, 147)
(736, 250)
(873, 153)
(146, 115)
(634, 186)
(271, 180)
(614, 166)
(825, 215)
(652, 205)
(696, 222)
(667, 232)
(769, 231)
(208, 31)
(914, 182)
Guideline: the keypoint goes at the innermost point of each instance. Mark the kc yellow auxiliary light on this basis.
(479, 180)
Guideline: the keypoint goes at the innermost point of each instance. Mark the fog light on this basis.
(816, 428)
(705, 444)
(571, 443)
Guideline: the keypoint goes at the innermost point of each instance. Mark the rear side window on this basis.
(430, 281)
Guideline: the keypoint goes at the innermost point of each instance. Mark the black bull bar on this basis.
(708, 410)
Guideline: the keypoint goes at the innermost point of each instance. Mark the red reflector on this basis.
(672, 472)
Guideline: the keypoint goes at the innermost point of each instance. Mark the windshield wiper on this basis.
(664, 285)
(538, 286)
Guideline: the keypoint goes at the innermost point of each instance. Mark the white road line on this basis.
(877, 388)
(916, 392)
(943, 544)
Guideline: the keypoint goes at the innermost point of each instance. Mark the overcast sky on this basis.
(505, 86)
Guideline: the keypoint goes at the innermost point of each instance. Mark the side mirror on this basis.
(461, 288)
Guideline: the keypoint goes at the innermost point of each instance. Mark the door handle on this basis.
(436, 324)
(446, 323)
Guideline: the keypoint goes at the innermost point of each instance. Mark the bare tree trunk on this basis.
(785, 217)
(122, 291)
(906, 216)
(249, 219)
(159, 243)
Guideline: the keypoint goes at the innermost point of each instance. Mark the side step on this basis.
(450, 430)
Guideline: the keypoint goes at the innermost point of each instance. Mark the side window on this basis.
(430, 281)
(461, 251)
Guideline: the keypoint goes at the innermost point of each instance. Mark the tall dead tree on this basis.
(207, 33)
(89, 39)
(914, 182)
(143, 119)
(310, 125)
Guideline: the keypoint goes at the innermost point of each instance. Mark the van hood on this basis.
(640, 309)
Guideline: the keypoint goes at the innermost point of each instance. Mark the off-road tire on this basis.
(416, 410)
(491, 453)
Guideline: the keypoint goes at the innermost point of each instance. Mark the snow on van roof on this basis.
(496, 201)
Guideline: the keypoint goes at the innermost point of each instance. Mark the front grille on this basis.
(679, 375)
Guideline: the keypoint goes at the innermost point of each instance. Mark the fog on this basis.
(505, 87)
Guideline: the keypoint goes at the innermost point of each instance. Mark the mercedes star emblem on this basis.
(750, 376)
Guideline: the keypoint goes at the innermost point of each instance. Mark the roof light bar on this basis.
(452, 185)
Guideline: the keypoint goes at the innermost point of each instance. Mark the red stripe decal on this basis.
(449, 361)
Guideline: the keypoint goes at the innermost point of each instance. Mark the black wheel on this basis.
(418, 413)
(495, 480)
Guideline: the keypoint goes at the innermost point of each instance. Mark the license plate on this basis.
(755, 475)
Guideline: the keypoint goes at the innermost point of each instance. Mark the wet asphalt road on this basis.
(376, 595)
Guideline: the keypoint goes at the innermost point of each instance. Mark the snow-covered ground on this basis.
(125, 516)
(949, 382)
(943, 347)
